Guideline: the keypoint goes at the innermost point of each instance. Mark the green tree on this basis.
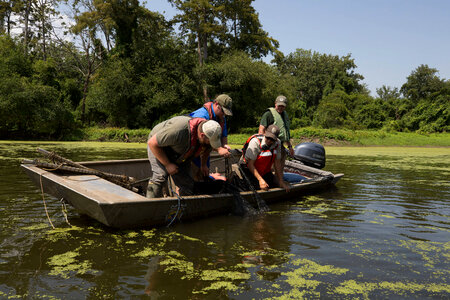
(243, 29)
(6, 10)
(30, 103)
(368, 112)
(199, 25)
(111, 96)
(253, 85)
(332, 111)
(316, 75)
(422, 83)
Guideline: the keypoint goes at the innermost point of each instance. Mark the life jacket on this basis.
(283, 125)
(212, 116)
(195, 148)
(265, 159)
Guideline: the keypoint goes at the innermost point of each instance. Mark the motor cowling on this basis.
(311, 154)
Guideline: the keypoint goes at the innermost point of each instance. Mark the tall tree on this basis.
(243, 29)
(199, 24)
(91, 46)
(422, 83)
(44, 13)
(95, 15)
(7, 7)
(317, 75)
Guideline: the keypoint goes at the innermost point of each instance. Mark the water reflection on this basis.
(383, 233)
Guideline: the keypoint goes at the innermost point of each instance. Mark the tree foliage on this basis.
(316, 75)
(128, 66)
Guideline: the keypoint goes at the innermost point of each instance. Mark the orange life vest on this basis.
(265, 159)
(195, 148)
(209, 108)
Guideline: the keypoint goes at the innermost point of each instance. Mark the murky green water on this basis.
(383, 233)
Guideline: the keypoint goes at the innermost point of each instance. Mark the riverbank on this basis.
(326, 137)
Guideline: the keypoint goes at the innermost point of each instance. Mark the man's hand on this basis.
(285, 185)
(291, 151)
(204, 170)
(223, 152)
(172, 168)
(263, 184)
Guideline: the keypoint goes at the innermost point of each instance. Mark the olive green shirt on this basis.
(268, 119)
(173, 133)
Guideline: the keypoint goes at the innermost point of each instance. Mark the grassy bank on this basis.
(330, 137)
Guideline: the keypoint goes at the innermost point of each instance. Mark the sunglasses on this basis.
(270, 139)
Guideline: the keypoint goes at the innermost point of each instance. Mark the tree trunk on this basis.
(25, 29)
(44, 41)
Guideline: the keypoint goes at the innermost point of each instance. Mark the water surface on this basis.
(383, 232)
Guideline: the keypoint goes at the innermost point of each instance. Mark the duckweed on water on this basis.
(212, 275)
(430, 251)
(149, 233)
(131, 235)
(65, 264)
(220, 285)
(171, 264)
(147, 252)
(37, 226)
(352, 287)
(57, 234)
(300, 277)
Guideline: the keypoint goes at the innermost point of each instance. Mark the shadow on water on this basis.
(383, 232)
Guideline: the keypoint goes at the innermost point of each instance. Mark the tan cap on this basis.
(213, 131)
(226, 102)
(281, 100)
(272, 132)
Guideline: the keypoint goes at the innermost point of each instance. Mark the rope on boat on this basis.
(179, 207)
(45, 205)
(64, 210)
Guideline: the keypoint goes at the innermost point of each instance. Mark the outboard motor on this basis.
(311, 154)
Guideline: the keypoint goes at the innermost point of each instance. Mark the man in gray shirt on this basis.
(172, 145)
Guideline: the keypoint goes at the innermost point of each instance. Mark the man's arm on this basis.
(203, 162)
(225, 143)
(279, 174)
(161, 156)
(251, 167)
(261, 129)
(291, 150)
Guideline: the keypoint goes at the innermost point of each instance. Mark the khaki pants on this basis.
(183, 179)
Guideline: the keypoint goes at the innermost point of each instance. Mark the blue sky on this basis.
(388, 39)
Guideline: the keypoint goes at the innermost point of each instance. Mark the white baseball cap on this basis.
(213, 131)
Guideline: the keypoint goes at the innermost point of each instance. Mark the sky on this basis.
(388, 39)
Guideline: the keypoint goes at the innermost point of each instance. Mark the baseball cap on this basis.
(226, 102)
(281, 100)
(213, 131)
(272, 132)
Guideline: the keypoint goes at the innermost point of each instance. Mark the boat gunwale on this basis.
(56, 178)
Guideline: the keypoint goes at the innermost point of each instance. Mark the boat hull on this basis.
(118, 207)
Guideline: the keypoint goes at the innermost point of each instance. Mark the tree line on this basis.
(117, 63)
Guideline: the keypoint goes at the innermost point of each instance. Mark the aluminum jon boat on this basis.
(119, 207)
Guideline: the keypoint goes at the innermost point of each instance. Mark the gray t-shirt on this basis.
(254, 149)
(173, 133)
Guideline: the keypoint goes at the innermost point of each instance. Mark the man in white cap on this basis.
(279, 117)
(173, 144)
